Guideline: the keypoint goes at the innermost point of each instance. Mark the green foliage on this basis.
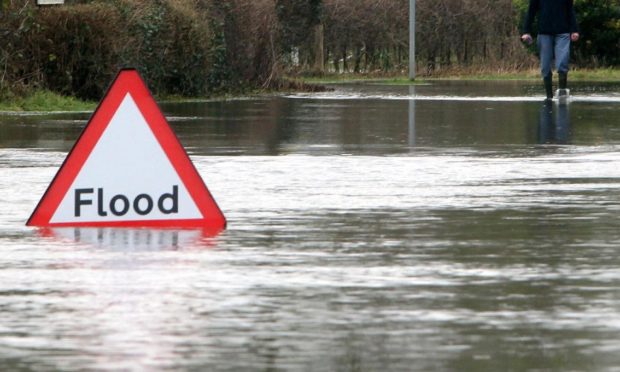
(220, 73)
(170, 42)
(296, 18)
(201, 47)
(244, 53)
(69, 50)
(16, 24)
(150, 60)
(78, 48)
(599, 22)
(181, 47)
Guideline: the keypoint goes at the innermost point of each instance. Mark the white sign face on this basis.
(127, 177)
(50, 2)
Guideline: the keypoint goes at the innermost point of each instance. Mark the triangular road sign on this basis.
(128, 169)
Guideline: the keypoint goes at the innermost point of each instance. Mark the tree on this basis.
(301, 29)
(599, 22)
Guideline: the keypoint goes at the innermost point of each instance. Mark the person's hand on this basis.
(574, 36)
(527, 38)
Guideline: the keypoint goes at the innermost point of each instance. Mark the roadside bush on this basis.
(169, 43)
(76, 49)
(69, 50)
(17, 69)
(181, 47)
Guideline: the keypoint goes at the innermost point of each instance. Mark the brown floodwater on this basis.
(450, 226)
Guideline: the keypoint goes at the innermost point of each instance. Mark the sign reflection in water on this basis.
(129, 239)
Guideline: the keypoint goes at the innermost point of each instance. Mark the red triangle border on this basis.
(128, 81)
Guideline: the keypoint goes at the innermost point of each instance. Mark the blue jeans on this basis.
(551, 46)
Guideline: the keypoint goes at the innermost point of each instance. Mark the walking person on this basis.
(557, 27)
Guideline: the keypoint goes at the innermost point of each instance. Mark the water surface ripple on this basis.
(348, 248)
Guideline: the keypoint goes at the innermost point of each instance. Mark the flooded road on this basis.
(452, 226)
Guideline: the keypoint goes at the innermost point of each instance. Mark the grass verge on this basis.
(46, 101)
(43, 100)
(602, 75)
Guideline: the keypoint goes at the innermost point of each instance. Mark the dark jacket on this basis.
(554, 17)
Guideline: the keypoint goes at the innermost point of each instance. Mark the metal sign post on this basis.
(411, 39)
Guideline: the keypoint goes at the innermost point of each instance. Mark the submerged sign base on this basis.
(128, 169)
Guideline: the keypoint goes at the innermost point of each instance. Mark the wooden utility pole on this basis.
(412, 39)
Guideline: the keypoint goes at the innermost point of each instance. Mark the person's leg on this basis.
(545, 47)
(562, 55)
